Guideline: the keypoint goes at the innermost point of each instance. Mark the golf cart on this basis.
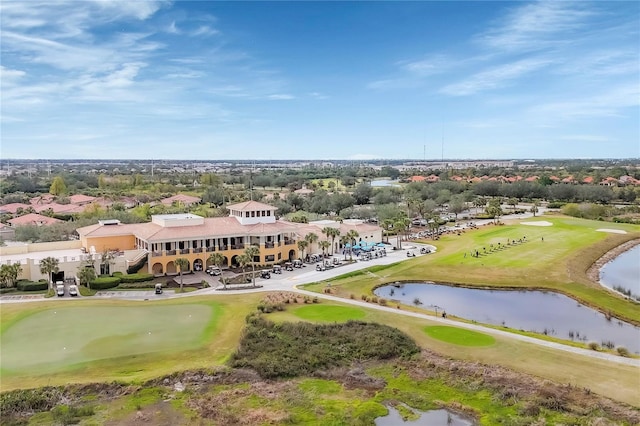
(320, 267)
(277, 269)
(265, 274)
(411, 253)
(73, 290)
(158, 288)
(214, 271)
(60, 288)
(288, 266)
(424, 250)
(298, 263)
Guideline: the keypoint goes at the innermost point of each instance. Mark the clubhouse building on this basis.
(169, 237)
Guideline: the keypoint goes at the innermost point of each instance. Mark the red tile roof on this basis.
(13, 207)
(33, 219)
(181, 198)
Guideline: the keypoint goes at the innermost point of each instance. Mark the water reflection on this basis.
(431, 418)
(623, 273)
(542, 312)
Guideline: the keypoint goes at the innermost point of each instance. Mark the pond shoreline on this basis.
(593, 273)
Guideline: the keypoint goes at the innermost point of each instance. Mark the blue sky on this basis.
(326, 80)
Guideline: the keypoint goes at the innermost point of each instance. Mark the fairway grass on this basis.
(553, 257)
(459, 336)
(328, 313)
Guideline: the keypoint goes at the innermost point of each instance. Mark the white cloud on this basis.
(204, 30)
(280, 97)
(537, 26)
(495, 78)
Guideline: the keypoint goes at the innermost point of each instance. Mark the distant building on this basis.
(185, 200)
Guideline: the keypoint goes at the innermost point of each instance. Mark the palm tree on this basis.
(86, 274)
(49, 266)
(182, 264)
(302, 245)
(251, 252)
(387, 225)
(324, 245)
(218, 259)
(311, 238)
(534, 207)
(352, 235)
(398, 227)
(244, 261)
(333, 233)
(343, 241)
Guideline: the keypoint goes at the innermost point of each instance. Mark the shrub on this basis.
(593, 346)
(314, 347)
(24, 285)
(374, 299)
(135, 278)
(352, 296)
(103, 283)
(382, 302)
(7, 290)
(622, 351)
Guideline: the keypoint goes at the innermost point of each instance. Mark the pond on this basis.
(623, 273)
(384, 182)
(542, 312)
(432, 417)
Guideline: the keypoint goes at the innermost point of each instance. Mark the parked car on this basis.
(60, 290)
(158, 288)
(73, 290)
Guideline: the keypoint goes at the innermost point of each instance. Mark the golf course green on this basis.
(459, 336)
(59, 338)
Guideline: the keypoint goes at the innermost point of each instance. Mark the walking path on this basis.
(289, 281)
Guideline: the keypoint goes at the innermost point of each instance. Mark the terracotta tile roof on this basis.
(33, 219)
(417, 178)
(588, 179)
(13, 207)
(531, 179)
(59, 208)
(250, 206)
(42, 199)
(81, 198)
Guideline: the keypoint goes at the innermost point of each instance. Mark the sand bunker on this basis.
(613, 231)
(537, 223)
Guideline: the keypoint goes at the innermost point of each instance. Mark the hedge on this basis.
(31, 286)
(103, 283)
(136, 278)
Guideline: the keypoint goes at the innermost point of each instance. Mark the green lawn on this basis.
(459, 336)
(109, 339)
(58, 338)
(558, 263)
(328, 313)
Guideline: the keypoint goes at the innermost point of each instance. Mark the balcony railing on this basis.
(197, 250)
(210, 249)
(170, 252)
(223, 247)
(156, 253)
(237, 246)
(268, 245)
(184, 251)
(289, 242)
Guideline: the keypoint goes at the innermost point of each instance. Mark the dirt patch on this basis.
(593, 273)
(159, 414)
